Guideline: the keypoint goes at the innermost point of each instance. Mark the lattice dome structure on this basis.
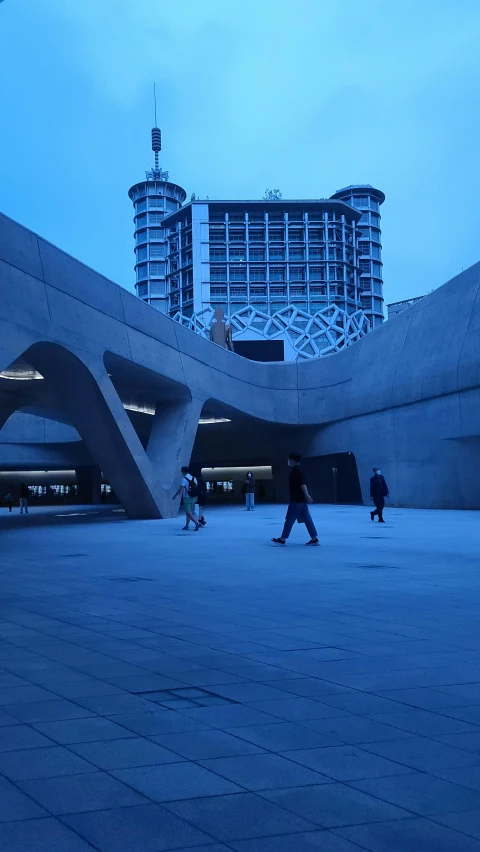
(306, 336)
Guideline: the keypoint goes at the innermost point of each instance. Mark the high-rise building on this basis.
(153, 199)
(305, 272)
(367, 199)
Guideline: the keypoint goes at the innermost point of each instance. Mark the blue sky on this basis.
(304, 95)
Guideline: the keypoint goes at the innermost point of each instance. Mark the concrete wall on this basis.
(405, 397)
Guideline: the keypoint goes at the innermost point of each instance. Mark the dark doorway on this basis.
(333, 478)
(260, 350)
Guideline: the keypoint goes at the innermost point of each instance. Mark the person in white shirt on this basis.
(189, 491)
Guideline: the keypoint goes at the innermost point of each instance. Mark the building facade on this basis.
(153, 199)
(305, 272)
(279, 270)
(367, 200)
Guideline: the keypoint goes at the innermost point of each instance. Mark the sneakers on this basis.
(278, 540)
(314, 542)
(381, 521)
(372, 516)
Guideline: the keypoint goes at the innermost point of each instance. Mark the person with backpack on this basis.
(189, 490)
(378, 492)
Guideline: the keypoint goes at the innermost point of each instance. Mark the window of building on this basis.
(236, 217)
(254, 218)
(155, 202)
(218, 254)
(258, 273)
(277, 273)
(141, 221)
(157, 270)
(141, 205)
(238, 255)
(276, 235)
(216, 215)
(236, 235)
(295, 217)
(157, 234)
(256, 235)
(142, 272)
(316, 235)
(171, 206)
(277, 254)
(374, 205)
(217, 234)
(297, 273)
(141, 253)
(364, 248)
(296, 235)
(317, 273)
(375, 219)
(375, 234)
(360, 201)
(238, 273)
(296, 253)
(335, 234)
(142, 291)
(276, 216)
(186, 258)
(157, 288)
(141, 236)
(364, 219)
(315, 216)
(335, 253)
(187, 278)
(218, 293)
(257, 254)
(375, 251)
(377, 269)
(155, 218)
(364, 265)
(316, 253)
(332, 216)
(218, 273)
(377, 288)
(378, 306)
(157, 250)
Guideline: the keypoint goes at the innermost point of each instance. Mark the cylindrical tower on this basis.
(367, 199)
(152, 199)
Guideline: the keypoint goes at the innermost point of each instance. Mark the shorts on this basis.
(189, 505)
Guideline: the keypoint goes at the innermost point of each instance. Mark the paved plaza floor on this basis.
(164, 690)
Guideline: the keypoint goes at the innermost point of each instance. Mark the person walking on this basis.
(378, 492)
(249, 491)
(298, 506)
(9, 498)
(189, 490)
(24, 495)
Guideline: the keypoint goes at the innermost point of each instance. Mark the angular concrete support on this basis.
(171, 441)
(92, 405)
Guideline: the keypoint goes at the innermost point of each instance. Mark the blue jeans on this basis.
(250, 500)
(297, 511)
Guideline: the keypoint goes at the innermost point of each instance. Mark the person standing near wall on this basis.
(249, 491)
(24, 495)
(378, 492)
(189, 490)
(298, 506)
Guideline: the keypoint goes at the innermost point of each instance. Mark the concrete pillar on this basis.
(171, 442)
(88, 483)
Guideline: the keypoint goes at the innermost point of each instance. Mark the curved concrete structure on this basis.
(405, 397)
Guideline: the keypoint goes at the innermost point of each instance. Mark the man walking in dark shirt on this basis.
(378, 492)
(298, 506)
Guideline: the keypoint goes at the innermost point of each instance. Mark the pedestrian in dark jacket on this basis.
(249, 491)
(378, 492)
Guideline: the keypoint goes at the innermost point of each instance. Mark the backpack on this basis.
(193, 489)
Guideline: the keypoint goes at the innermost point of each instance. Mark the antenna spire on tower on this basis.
(156, 133)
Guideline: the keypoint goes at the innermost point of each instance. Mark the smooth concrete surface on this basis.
(164, 690)
(405, 398)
